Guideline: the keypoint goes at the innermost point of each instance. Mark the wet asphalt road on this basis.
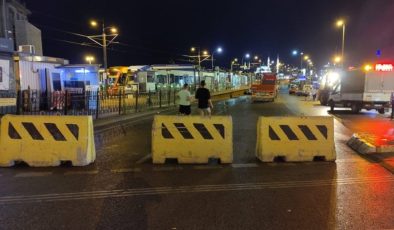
(123, 190)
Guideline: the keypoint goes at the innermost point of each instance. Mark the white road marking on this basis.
(81, 172)
(126, 170)
(207, 167)
(167, 169)
(248, 165)
(34, 174)
(105, 194)
(144, 158)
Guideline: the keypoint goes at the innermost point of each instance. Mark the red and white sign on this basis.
(384, 67)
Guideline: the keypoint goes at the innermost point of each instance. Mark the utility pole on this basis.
(105, 49)
(102, 41)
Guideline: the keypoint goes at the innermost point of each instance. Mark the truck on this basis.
(265, 88)
(361, 89)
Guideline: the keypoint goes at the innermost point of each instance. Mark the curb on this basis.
(364, 147)
(361, 145)
(107, 132)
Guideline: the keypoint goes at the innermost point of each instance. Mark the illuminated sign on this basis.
(384, 67)
(82, 71)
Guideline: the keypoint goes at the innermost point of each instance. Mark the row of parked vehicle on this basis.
(305, 90)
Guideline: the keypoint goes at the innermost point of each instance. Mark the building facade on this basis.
(15, 31)
(16, 27)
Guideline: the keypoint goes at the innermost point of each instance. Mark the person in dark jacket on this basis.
(204, 100)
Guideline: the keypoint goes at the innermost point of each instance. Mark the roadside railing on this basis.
(94, 103)
(98, 104)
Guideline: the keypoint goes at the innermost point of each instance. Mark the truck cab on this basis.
(265, 88)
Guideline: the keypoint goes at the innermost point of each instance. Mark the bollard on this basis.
(392, 106)
(65, 102)
(136, 100)
(120, 102)
(97, 103)
(160, 98)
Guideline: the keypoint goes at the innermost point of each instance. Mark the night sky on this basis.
(159, 32)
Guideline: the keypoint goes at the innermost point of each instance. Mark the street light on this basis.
(102, 41)
(89, 59)
(295, 52)
(218, 50)
(256, 57)
(341, 23)
(234, 62)
(114, 30)
(247, 56)
(337, 59)
(367, 68)
(204, 54)
(306, 58)
(93, 23)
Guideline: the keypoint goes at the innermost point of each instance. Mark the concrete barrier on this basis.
(192, 139)
(47, 140)
(295, 139)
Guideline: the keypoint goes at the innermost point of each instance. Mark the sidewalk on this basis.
(104, 123)
(113, 121)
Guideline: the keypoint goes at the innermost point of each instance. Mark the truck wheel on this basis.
(381, 111)
(323, 100)
(332, 106)
(355, 108)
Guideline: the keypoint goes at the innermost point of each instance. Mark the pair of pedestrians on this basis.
(202, 95)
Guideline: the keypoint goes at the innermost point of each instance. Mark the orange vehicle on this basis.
(117, 79)
(265, 89)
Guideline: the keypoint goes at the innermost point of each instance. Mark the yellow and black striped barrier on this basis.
(192, 139)
(47, 140)
(295, 139)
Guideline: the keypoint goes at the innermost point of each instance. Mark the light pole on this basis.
(193, 49)
(234, 62)
(247, 56)
(304, 58)
(256, 60)
(102, 41)
(89, 59)
(301, 55)
(205, 55)
(218, 50)
(337, 59)
(341, 23)
(295, 53)
(200, 57)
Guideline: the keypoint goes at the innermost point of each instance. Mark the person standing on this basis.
(314, 94)
(184, 100)
(204, 100)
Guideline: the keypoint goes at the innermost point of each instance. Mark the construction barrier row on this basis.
(295, 139)
(192, 139)
(196, 139)
(46, 140)
(51, 140)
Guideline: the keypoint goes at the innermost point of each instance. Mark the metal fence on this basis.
(7, 103)
(94, 103)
